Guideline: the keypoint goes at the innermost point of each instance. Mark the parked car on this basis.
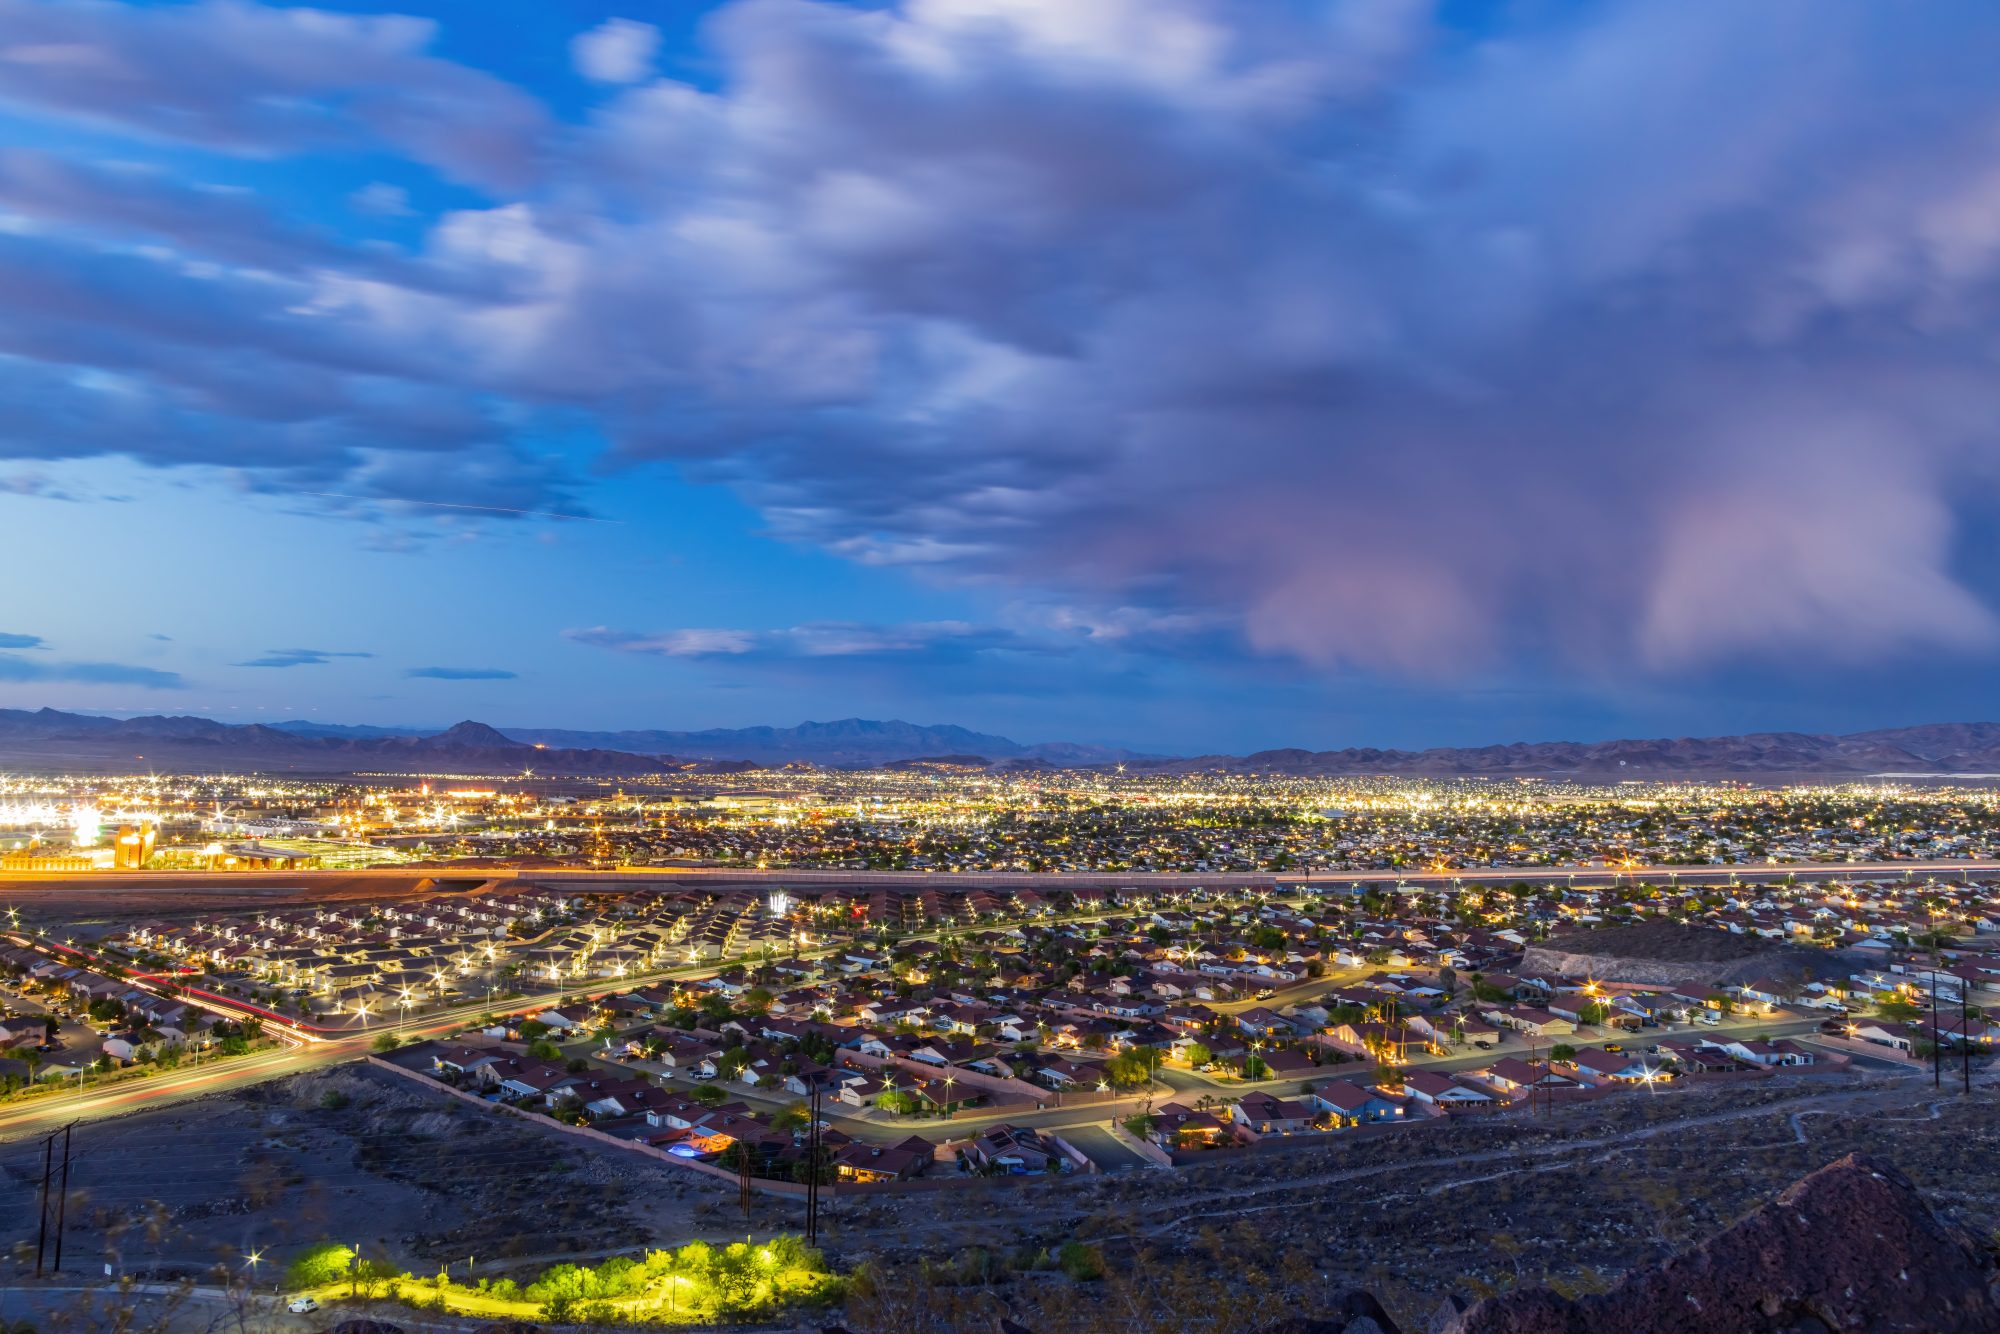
(300, 1305)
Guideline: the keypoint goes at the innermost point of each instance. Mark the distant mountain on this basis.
(51, 739)
(1944, 748)
(846, 743)
(48, 738)
(350, 731)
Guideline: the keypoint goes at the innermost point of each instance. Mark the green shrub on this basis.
(1082, 1263)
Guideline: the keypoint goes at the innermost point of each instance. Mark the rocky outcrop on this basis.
(1354, 1312)
(1663, 954)
(1852, 1247)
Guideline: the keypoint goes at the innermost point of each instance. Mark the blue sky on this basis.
(1185, 374)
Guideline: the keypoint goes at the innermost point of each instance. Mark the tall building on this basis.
(135, 846)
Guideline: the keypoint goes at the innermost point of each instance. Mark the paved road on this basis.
(18, 882)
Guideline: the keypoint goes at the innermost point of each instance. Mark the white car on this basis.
(300, 1305)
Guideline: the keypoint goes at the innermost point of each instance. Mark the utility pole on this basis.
(1937, 1039)
(62, 1196)
(1965, 1036)
(42, 1231)
(812, 1160)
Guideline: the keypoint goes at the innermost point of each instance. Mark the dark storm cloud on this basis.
(299, 657)
(20, 641)
(1620, 339)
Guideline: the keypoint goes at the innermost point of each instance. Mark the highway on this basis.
(14, 883)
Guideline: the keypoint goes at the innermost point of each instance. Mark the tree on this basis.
(708, 1095)
(900, 1101)
(386, 1042)
(1254, 1067)
(316, 1266)
(1198, 1055)
(1562, 1051)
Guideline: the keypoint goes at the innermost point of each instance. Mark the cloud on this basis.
(21, 641)
(459, 674)
(616, 51)
(15, 668)
(818, 639)
(668, 643)
(1613, 342)
(299, 657)
(255, 79)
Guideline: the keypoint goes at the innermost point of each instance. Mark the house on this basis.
(1510, 1074)
(1259, 1022)
(1060, 1073)
(1533, 1022)
(1178, 1127)
(1769, 1055)
(857, 1161)
(1263, 1114)
(1350, 1104)
(1429, 1086)
(1616, 1067)
(566, 1021)
(1008, 1150)
(481, 1064)
(1884, 1035)
(535, 1081)
(616, 1097)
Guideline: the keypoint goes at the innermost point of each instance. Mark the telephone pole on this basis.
(50, 1175)
(1965, 1035)
(812, 1159)
(62, 1196)
(42, 1230)
(1937, 1039)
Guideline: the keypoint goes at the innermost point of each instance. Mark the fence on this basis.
(762, 1185)
(1856, 1047)
(1145, 1148)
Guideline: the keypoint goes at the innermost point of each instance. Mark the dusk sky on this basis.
(1182, 374)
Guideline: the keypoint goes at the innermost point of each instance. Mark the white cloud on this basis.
(616, 51)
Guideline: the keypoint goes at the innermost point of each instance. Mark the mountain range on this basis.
(52, 739)
(1939, 748)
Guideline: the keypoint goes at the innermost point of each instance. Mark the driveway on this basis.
(1102, 1147)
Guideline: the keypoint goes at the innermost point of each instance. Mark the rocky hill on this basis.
(1664, 954)
(1851, 1247)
